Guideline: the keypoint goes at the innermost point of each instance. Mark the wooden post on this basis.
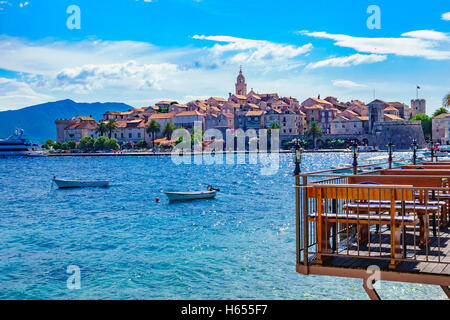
(297, 215)
(395, 235)
(371, 292)
(305, 219)
(446, 290)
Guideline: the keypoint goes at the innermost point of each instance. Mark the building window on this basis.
(130, 135)
(139, 134)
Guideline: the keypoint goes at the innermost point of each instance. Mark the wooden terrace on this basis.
(390, 224)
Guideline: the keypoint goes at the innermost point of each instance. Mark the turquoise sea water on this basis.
(240, 245)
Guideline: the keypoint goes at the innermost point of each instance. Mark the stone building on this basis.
(418, 106)
(241, 86)
(441, 128)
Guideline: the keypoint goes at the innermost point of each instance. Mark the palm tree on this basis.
(447, 100)
(439, 111)
(152, 128)
(101, 128)
(168, 129)
(314, 132)
(112, 126)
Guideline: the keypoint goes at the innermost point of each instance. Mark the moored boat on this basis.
(18, 146)
(190, 195)
(66, 183)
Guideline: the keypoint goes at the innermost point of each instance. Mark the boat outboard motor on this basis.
(210, 188)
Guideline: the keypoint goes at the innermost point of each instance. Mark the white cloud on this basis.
(240, 50)
(427, 44)
(347, 84)
(129, 74)
(446, 16)
(352, 60)
(17, 94)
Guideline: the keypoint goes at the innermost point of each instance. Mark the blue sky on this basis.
(140, 52)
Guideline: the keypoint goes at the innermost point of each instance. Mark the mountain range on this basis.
(38, 121)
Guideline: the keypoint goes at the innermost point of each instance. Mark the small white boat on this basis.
(65, 183)
(191, 195)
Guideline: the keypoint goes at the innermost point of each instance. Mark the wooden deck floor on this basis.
(438, 251)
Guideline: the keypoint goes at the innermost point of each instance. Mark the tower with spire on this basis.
(241, 86)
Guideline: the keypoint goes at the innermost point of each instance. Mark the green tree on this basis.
(197, 139)
(65, 146)
(101, 143)
(57, 146)
(168, 129)
(112, 126)
(426, 123)
(50, 142)
(446, 101)
(112, 144)
(439, 111)
(71, 145)
(314, 132)
(179, 140)
(101, 128)
(86, 143)
(142, 144)
(152, 128)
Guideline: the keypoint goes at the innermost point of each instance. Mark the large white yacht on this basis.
(17, 145)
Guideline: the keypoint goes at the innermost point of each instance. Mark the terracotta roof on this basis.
(390, 109)
(189, 113)
(363, 118)
(240, 97)
(321, 101)
(233, 105)
(81, 125)
(254, 113)
(229, 115)
(218, 99)
(162, 116)
(392, 116)
(254, 106)
(378, 101)
(316, 106)
(85, 118)
(442, 116)
(350, 112)
(342, 117)
(254, 95)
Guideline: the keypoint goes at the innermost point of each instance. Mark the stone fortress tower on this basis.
(61, 124)
(418, 106)
(241, 86)
(376, 113)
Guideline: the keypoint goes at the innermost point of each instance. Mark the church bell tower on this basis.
(241, 86)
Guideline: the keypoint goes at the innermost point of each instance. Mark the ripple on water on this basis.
(240, 245)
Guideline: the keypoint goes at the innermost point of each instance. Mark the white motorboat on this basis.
(190, 195)
(17, 145)
(65, 183)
